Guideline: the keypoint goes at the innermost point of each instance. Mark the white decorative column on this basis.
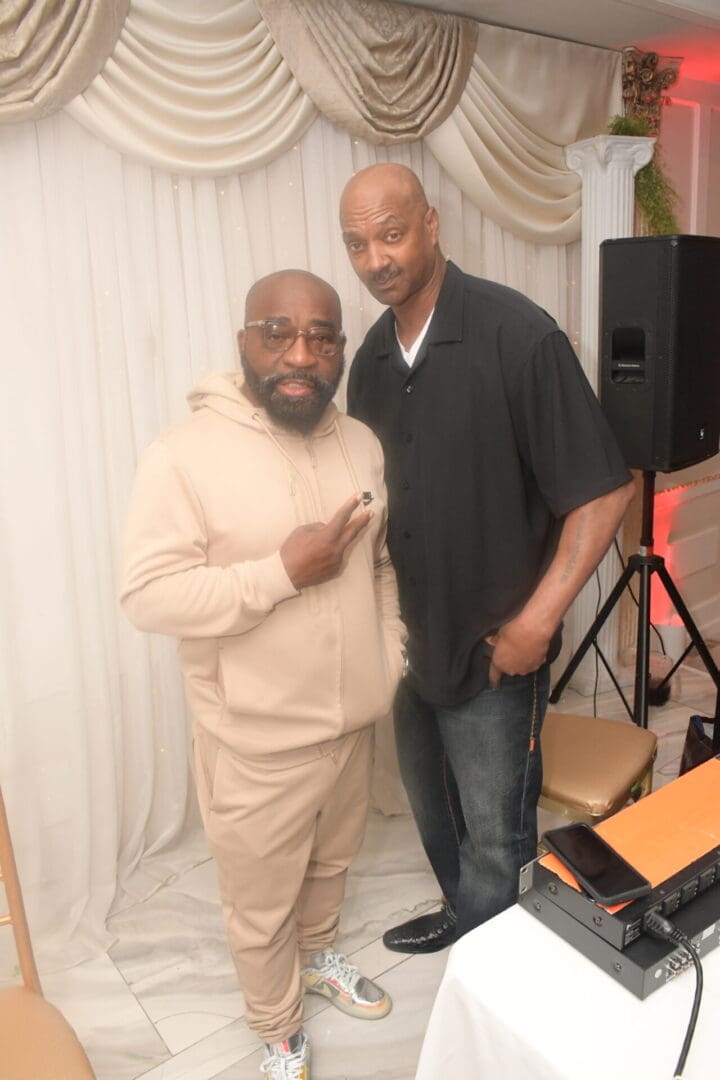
(607, 165)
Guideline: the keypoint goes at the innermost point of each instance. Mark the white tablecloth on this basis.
(518, 1003)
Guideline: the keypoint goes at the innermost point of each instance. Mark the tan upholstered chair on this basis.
(36, 1042)
(592, 767)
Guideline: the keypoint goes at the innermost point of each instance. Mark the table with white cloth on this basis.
(517, 1002)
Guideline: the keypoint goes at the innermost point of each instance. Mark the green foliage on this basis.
(628, 125)
(656, 197)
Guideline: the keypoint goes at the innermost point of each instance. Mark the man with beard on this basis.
(506, 488)
(246, 539)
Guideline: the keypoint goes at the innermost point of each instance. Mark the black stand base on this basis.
(645, 563)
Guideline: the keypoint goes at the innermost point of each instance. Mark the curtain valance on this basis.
(50, 51)
(230, 85)
(227, 90)
(386, 72)
(201, 89)
(504, 143)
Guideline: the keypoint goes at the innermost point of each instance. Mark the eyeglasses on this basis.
(278, 337)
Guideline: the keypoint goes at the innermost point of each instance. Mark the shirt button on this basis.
(409, 388)
(405, 485)
(412, 580)
(408, 438)
(407, 534)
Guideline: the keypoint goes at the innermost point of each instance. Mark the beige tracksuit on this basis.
(283, 685)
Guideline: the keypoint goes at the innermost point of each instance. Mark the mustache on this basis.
(381, 277)
(269, 382)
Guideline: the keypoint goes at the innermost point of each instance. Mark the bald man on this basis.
(505, 489)
(256, 535)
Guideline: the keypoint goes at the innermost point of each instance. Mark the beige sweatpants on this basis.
(283, 830)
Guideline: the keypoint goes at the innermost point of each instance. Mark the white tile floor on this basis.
(164, 1003)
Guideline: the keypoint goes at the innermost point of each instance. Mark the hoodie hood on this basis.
(222, 391)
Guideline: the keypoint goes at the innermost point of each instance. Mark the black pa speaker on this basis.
(660, 348)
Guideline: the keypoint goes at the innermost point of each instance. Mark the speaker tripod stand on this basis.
(645, 563)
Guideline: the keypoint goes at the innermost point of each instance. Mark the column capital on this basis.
(633, 151)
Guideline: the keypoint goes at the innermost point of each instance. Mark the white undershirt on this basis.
(410, 354)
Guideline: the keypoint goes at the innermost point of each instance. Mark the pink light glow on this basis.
(697, 50)
(704, 68)
(662, 613)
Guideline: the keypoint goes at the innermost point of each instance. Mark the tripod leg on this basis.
(592, 633)
(642, 652)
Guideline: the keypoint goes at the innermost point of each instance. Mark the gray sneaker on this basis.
(289, 1059)
(332, 976)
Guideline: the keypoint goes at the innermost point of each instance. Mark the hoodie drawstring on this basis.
(295, 471)
(346, 456)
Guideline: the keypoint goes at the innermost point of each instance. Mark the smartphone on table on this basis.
(596, 865)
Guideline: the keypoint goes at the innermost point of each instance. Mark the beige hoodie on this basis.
(266, 667)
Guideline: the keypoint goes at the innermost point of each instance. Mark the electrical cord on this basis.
(656, 924)
(597, 658)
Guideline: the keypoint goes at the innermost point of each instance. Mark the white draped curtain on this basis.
(121, 283)
(210, 89)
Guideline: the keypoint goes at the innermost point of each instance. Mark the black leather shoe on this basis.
(426, 934)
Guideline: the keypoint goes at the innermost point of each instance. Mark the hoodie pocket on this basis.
(205, 756)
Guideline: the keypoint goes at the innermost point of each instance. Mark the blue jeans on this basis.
(473, 774)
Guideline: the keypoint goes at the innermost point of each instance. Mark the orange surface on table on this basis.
(665, 831)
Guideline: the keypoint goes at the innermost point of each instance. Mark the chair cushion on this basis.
(36, 1041)
(591, 763)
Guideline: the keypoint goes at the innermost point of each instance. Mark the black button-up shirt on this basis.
(490, 438)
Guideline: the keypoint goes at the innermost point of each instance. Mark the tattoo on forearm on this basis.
(574, 553)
